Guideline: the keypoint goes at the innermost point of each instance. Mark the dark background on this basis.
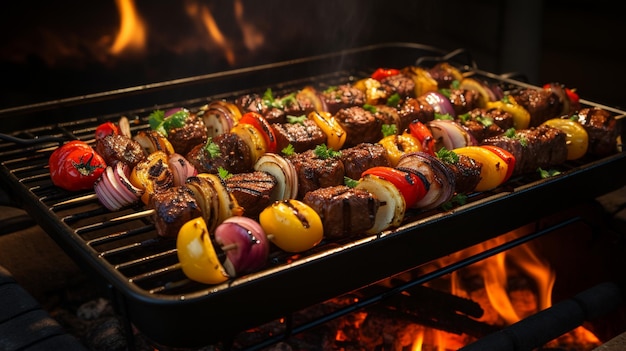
(59, 49)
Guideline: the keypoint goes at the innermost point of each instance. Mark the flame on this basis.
(252, 38)
(132, 32)
(202, 12)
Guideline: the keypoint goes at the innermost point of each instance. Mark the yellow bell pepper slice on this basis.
(398, 145)
(197, 255)
(253, 138)
(424, 82)
(521, 116)
(576, 136)
(292, 225)
(493, 171)
(335, 134)
(372, 89)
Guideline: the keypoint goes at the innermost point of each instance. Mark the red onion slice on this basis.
(245, 244)
(441, 181)
(181, 168)
(440, 103)
(114, 189)
(450, 134)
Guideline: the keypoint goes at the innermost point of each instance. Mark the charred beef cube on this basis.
(485, 123)
(399, 84)
(417, 108)
(533, 148)
(185, 138)
(388, 115)
(302, 136)
(299, 103)
(226, 150)
(463, 100)
(344, 211)
(541, 104)
(342, 96)
(361, 157)
(466, 172)
(602, 129)
(361, 125)
(256, 103)
(315, 172)
(119, 148)
(252, 190)
(444, 74)
(173, 207)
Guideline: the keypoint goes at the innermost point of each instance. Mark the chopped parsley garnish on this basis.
(447, 156)
(485, 121)
(324, 152)
(212, 148)
(161, 124)
(289, 100)
(456, 200)
(455, 84)
(463, 118)
(330, 89)
(547, 173)
(349, 182)
(389, 129)
(288, 150)
(506, 99)
(269, 100)
(223, 173)
(296, 119)
(445, 92)
(510, 133)
(370, 108)
(445, 116)
(394, 100)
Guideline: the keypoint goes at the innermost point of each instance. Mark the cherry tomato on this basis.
(196, 253)
(292, 225)
(75, 166)
(408, 183)
(263, 126)
(424, 135)
(106, 128)
(506, 156)
(382, 73)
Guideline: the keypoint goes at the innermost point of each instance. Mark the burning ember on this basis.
(447, 313)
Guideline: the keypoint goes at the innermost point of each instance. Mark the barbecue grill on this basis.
(140, 270)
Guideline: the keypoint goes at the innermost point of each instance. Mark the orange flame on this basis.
(202, 12)
(132, 32)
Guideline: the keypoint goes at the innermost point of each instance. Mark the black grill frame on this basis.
(122, 250)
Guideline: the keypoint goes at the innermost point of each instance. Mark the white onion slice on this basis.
(284, 172)
(392, 205)
(450, 134)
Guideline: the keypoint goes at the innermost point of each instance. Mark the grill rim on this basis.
(145, 310)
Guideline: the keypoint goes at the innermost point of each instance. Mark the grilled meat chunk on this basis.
(361, 157)
(602, 129)
(360, 125)
(342, 96)
(252, 190)
(541, 104)
(466, 173)
(417, 108)
(302, 136)
(463, 100)
(388, 115)
(535, 147)
(185, 138)
(229, 151)
(398, 84)
(344, 211)
(119, 148)
(484, 123)
(173, 207)
(299, 103)
(256, 103)
(315, 172)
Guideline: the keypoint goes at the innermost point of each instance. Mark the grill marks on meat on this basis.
(234, 155)
(342, 96)
(535, 147)
(344, 211)
(602, 129)
(398, 84)
(314, 172)
(256, 103)
(361, 125)
(119, 148)
(185, 138)
(302, 136)
(252, 190)
(174, 207)
(485, 123)
(466, 173)
(361, 157)
(541, 104)
(417, 108)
